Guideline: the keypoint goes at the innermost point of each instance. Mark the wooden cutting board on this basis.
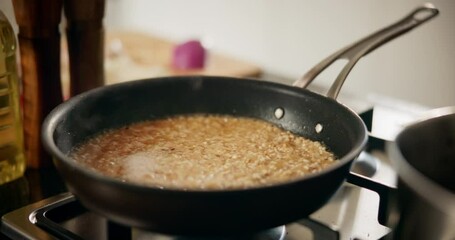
(148, 50)
(135, 55)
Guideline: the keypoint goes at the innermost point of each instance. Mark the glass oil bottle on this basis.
(12, 160)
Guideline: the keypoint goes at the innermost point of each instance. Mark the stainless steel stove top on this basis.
(351, 214)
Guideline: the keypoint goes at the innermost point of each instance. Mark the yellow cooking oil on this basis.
(12, 160)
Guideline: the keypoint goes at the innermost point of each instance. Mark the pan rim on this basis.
(55, 116)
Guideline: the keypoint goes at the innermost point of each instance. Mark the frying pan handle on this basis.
(388, 213)
(366, 45)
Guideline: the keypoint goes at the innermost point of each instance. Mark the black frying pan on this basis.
(222, 211)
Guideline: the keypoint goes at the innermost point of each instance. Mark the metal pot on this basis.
(424, 156)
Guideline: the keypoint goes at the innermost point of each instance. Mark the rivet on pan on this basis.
(318, 128)
(279, 113)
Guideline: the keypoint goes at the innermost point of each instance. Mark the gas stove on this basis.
(352, 213)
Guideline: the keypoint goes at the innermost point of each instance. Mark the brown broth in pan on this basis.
(203, 152)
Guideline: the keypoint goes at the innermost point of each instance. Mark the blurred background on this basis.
(284, 39)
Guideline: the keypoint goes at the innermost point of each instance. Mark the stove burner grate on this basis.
(67, 219)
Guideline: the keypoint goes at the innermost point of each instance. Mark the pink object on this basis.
(189, 55)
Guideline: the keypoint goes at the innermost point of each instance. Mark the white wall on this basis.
(288, 37)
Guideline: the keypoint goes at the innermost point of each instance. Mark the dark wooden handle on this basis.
(85, 37)
(86, 59)
(37, 18)
(39, 42)
(41, 91)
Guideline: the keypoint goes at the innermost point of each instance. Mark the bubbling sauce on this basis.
(211, 152)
